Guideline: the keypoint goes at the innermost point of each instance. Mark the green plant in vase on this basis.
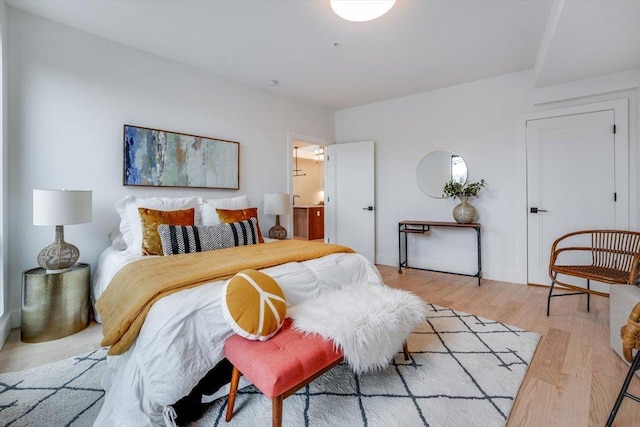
(469, 189)
(464, 212)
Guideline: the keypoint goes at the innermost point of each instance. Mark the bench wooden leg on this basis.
(276, 414)
(588, 296)
(233, 391)
(405, 350)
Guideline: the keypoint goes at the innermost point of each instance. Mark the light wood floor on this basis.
(573, 379)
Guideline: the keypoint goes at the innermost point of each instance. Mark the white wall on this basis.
(479, 121)
(309, 186)
(5, 320)
(70, 94)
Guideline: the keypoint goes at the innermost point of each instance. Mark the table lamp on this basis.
(60, 208)
(277, 204)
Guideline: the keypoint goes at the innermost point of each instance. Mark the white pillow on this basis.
(117, 241)
(130, 225)
(208, 208)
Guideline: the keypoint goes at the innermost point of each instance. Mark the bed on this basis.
(175, 338)
(183, 334)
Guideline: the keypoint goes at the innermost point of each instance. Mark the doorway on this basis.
(297, 139)
(308, 190)
(577, 178)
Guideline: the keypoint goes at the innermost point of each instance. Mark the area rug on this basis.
(65, 393)
(464, 371)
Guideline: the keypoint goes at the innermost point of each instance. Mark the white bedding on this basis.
(184, 333)
(110, 261)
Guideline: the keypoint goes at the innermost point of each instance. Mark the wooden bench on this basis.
(614, 259)
(281, 365)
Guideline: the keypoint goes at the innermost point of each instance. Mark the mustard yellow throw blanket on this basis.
(125, 303)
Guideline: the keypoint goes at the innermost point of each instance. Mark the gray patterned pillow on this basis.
(181, 239)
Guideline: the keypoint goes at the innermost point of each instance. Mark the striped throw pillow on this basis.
(178, 239)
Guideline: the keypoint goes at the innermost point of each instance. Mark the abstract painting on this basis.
(160, 158)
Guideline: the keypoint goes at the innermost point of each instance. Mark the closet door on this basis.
(571, 182)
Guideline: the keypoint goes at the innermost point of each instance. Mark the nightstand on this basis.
(54, 305)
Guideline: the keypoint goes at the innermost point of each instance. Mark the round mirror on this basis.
(437, 168)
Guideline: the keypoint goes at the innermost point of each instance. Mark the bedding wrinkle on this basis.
(125, 303)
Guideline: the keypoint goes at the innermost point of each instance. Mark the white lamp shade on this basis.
(277, 204)
(361, 10)
(61, 207)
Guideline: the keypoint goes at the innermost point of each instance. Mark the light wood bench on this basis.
(614, 255)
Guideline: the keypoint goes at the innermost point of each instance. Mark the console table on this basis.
(421, 227)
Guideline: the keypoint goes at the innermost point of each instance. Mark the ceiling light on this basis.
(361, 10)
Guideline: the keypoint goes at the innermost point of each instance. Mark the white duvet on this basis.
(184, 333)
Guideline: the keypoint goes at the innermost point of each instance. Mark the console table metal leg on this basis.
(479, 256)
(399, 249)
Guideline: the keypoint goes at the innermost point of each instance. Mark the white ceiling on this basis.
(418, 46)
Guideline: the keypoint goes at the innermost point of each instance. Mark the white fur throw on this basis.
(369, 322)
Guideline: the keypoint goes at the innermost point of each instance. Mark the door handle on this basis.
(536, 210)
(368, 208)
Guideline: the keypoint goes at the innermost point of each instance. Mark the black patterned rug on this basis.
(464, 371)
(65, 393)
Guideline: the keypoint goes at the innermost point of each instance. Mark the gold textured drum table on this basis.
(54, 305)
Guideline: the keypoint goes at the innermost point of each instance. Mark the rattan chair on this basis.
(615, 259)
(630, 334)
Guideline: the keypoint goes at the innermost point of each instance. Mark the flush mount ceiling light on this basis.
(361, 10)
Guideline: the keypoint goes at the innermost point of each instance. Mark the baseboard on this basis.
(5, 328)
(16, 319)
(540, 285)
(490, 274)
(433, 265)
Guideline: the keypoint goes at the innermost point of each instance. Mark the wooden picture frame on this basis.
(160, 158)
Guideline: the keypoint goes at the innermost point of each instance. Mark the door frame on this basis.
(625, 175)
(291, 137)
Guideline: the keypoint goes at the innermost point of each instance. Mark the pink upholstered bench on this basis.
(281, 365)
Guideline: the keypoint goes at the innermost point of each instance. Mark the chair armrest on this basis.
(556, 252)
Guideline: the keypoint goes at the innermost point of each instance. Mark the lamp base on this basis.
(278, 231)
(58, 256)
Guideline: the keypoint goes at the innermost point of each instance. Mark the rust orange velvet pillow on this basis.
(151, 219)
(228, 216)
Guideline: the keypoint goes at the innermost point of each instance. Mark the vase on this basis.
(464, 212)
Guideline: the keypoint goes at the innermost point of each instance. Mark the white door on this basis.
(570, 182)
(349, 197)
